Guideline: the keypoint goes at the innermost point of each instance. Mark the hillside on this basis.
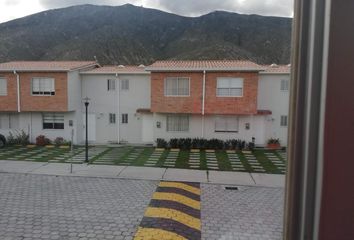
(133, 35)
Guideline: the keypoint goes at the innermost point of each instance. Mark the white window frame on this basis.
(43, 93)
(125, 118)
(56, 118)
(177, 79)
(178, 120)
(229, 86)
(284, 85)
(124, 85)
(284, 120)
(3, 86)
(225, 120)
(112, 118)
(111, 85)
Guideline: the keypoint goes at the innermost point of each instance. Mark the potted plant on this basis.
(273, 143)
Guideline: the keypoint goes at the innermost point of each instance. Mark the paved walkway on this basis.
(36, 206)
(144, 173)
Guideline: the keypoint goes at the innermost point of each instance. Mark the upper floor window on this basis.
(177, 123)
(53, 121)
(283, 121)
(3, 87)
(125, 84)
(112, 118)
(111, 84)
(229, 87)
(177, 86)
(43, 86)
(284, 85)
(226, 124)
(124, 118)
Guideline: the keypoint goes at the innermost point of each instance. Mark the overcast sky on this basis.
(11, 9)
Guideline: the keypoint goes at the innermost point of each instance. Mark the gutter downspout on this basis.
(118, 108)
(203, 103)
(18, 91)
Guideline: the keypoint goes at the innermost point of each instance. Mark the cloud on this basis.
(49, 4)
(192, 7)
(199, 7)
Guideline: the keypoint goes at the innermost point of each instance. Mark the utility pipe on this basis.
(118, 107)
(203, 103)
(18, 91)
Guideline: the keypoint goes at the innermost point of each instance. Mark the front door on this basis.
(148, 130)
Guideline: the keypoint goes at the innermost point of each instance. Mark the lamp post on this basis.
(86, 101)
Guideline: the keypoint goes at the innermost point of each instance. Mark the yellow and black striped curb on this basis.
(173, 213)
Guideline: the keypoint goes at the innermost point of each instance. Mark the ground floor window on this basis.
(177, 123)
(226, 124)
(112, 118)
(53, 121)
(283, 121)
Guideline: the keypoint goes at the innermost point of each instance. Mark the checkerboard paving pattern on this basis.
(194, 159)
(154, 158)
(278, 162)
(171, 158)
(235, 161)
(253, 162)
(212, 162)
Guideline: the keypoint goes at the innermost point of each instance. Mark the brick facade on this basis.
(9, 103)
(33, 103)
(213, 104)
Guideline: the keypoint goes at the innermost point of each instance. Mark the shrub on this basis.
(161, 143)
(59, 141)
(273, 141)
(41, 140)
(184, 143)
(173, 143)
(21, 138)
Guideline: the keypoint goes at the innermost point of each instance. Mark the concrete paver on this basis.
(269, 180)
(35, 207)
(238, 178)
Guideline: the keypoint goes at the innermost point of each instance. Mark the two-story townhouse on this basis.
(117, 96)
(207, 99)
(273, 94)
(42, 97)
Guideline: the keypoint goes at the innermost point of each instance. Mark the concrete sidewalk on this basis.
(144, 173)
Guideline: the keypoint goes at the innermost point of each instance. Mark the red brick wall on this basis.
(191, 104)
(232, 105)
(213, 105)
(57, 103)
(9, 103)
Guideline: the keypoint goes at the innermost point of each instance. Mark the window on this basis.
(177, 86)
(125, 84)
(226, 124)
(14, 121)
(3, 87)
(283, 121)
(43, 86)
(284, 85)
(229, 87)
(112, 118)
(53, 121)
(111, 84)
(177, 123)
(124, 118)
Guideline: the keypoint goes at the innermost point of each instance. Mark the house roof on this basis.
(121, 69)
(207, 65)
(31, 66)
(277, 69)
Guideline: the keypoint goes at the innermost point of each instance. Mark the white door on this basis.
(148, 131)
(91, 127)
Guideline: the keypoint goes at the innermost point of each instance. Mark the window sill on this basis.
(226, 131)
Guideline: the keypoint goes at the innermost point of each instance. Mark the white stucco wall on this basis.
(32, 124)
(103, 102)
(270, 97)
(257, 128)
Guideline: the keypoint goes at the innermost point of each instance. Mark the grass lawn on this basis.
(264, 161)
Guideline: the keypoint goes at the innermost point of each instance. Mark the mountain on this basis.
(134, 35)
